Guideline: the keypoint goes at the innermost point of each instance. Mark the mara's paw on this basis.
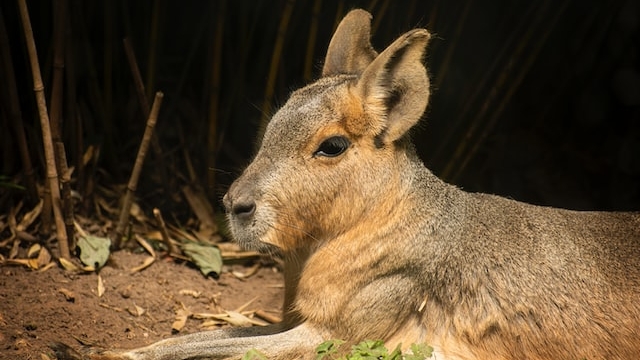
(66, 352)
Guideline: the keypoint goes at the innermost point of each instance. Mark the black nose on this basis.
(243, 209)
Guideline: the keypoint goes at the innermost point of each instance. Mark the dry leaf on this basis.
(145, 245)
(139, 310)
(44, 257)
(68, 294)
(33, 250)
(14, 249)
(136, 311)
(29, 217)
(68, 265)
(48, 266)
(192, 293)
(181, 320)
(250, 272)
(31, 263)
(101, 288)
(147, 262)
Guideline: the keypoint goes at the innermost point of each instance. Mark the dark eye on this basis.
(333, 146)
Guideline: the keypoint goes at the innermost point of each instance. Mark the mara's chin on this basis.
(250, 239)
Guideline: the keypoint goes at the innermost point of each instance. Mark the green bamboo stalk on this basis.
(52, 174)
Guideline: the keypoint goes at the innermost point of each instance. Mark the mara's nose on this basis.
(243, 207)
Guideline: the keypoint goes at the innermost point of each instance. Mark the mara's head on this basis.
(331, 159)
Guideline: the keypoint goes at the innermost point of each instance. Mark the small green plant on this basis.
(254, 354)
(371, 350)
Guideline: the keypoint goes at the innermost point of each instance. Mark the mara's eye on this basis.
(333, 146)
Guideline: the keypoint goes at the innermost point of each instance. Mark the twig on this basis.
(144, 106)
(137, 169)
(165, 233)
(38, 89)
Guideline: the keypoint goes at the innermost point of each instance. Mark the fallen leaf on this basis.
(181, 320)
(145, 245)
(147, 262)
(206, 257)
(137, 310)
(29, 217)
(68, 265)
(101, 288)
(33, 250)
(192, 293)
(250, 272)
(94, 250)
(68, 294)
(44, 257)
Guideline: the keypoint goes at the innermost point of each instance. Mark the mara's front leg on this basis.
(297, 343)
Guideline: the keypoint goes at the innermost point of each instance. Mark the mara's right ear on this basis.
(350, 50)
(394, 89)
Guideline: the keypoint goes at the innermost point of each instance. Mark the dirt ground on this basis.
(38, 308)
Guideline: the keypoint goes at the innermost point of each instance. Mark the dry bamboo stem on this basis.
(15, 114)
(214, 98)
(165, 233)
(59, 21)
(275, 62)
(144, 105)
(38, 88)
(137, 170)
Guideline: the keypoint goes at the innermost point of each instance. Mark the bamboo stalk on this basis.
(52, 174)
(275, 62)
(59, 22)
(171, 247)
(15, 115)
(144, 106)
(137, 170)
(214, 98)
(153, 47)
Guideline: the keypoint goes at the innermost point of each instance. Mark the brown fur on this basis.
(377, 247)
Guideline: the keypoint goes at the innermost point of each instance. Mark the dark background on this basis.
(535, 100)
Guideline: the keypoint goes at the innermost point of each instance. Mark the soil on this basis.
(41, 307)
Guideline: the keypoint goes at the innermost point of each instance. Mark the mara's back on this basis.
(519, 281)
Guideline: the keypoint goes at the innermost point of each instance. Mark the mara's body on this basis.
(377, 247)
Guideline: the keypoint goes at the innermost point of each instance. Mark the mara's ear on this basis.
(394, 88)
(350, 49)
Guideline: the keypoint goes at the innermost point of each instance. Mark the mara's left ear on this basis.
(350, 50)
(394, 88)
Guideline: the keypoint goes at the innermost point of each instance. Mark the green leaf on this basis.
(328, 348)
(420, 352)
(254, 354)
(94, 250)
(206, 257)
